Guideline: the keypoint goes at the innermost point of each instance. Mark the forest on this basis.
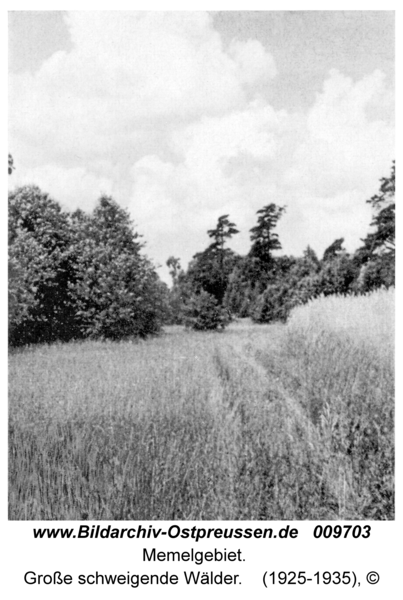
(77, 275)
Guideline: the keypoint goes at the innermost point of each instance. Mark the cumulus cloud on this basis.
(343, 146)
(131, 72)
(347, 145)
(150, 107)
(154, 109)
(72, 187)
(254, 64)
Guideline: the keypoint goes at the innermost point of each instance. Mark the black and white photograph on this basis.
(201, 239)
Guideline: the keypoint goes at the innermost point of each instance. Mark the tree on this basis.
(337, 276)
(387, 190)
(264, 240)
(302, 278)
(310, 259)
(41, 308)
(78, 275)
(380, 271)
(382, 240)
(210, 270)
(203, 313)
(11, 166)
(334, 250)
(224, 230)
(376, 257)
(178, 293)
(239, 291)
(274, 304)
(204, 285)
(259, 269)
(116, 291)
(175, 268)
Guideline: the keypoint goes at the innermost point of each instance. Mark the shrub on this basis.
(273, 305)
(203, 313)
(376, 273)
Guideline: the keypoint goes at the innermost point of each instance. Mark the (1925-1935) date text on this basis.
(348, 578)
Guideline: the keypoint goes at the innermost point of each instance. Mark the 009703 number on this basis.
(342, 531)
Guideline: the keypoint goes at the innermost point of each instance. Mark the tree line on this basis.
(265, 286)
(78, 275)
(75, 275)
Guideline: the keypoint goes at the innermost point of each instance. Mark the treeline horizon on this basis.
(77, 275)
(264, 286)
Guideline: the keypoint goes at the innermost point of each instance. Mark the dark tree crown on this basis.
(264, 239)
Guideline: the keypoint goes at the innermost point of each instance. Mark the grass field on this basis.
(258, 422)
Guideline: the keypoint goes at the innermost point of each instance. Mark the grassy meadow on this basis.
(266, 422)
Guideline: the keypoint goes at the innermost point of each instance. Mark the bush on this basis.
(273, 305)
(203, 313)
(376, 273)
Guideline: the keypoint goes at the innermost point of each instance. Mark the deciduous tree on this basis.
(41, 308)
(117, 291)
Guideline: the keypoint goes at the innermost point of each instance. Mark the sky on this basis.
(185, 116)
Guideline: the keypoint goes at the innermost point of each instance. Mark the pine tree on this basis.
(210, 269)
(334, 250)
(264, 240)
(382, 239)
(377, 255)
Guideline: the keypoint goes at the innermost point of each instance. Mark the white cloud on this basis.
(253, 63)
(343, 148)
(317, 221)
(72, 187)
(347, 145)
(153, 109)
(127, 72)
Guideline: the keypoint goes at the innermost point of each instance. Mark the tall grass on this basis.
(258, 422)
(369, 318)
(338, 361)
